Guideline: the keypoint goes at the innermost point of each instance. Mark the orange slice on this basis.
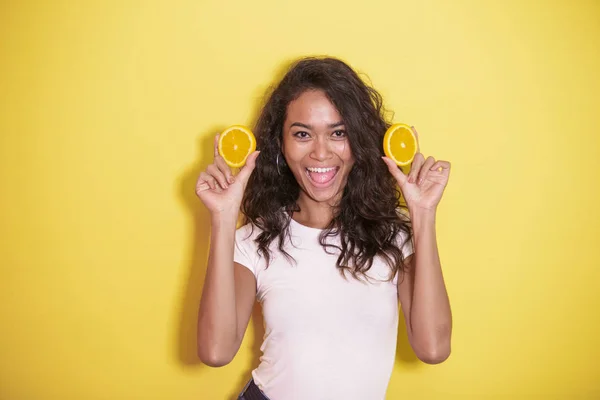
(236, 143)
(400, 144)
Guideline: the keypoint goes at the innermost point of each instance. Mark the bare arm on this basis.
(227, 299)
(229, 288)
(423, 296)
(422, 291)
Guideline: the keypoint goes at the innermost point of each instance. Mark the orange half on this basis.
(236, 143)
(400, 144)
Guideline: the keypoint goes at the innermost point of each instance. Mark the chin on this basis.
(322, 195)
(322, 185)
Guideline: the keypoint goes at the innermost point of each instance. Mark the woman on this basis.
(326, 248)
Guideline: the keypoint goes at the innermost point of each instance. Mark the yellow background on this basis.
(107, 114)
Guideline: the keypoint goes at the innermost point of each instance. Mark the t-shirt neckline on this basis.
(304, 227)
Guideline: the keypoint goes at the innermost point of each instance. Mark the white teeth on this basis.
(320, 170)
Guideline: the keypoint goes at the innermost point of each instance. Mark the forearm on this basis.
(431, 319)
(217, 319)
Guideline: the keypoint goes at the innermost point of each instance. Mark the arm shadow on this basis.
(405, 356)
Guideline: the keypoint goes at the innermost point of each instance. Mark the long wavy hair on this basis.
(369, 217)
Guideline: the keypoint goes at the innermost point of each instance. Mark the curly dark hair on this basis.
(370, 216)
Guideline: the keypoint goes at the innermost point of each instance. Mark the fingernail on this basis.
(230, 180)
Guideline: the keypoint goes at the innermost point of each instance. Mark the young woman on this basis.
(327, 248)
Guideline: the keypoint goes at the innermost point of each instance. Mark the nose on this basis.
(321, 149)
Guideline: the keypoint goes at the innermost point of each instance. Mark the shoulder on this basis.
(246, 248)
(247, 233)
(404, 236)
(247, 236)
(403, 214)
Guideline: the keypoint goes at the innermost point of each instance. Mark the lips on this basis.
(322, 176)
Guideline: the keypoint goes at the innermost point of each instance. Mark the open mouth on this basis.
(322, 177)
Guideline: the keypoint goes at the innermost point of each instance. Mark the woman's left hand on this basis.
(424, 185)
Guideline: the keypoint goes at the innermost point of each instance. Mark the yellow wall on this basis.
(107, 112)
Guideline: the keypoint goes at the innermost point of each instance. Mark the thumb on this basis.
(395, 171)
(247, 169)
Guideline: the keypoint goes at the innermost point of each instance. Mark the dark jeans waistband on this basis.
(252, 392)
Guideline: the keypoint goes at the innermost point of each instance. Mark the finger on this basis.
(202, 183)
(214, 171)
(206, 180)
(224, 168)
(425, 170)
(216, 141)
(417, 136)
(247, 169)
(440, 166)
(395, 171)
(417, 163)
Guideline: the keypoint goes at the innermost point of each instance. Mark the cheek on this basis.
(344, 151)
(292, 152)
(295, 155)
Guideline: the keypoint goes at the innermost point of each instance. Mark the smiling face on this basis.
(316, 148)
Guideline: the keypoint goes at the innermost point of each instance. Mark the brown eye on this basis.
(301, 134)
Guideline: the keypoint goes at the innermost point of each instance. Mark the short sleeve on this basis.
(244, 251)
(407, 248)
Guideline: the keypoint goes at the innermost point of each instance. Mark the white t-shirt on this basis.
(326, 338)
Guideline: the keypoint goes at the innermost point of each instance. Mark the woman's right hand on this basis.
(218, 189)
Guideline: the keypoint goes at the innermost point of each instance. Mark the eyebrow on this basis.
(300, 124)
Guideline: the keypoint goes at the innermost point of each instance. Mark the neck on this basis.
(312, 213)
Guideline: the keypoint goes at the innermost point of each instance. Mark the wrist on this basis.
(224, 218)
(422, 211)
(421, 217)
